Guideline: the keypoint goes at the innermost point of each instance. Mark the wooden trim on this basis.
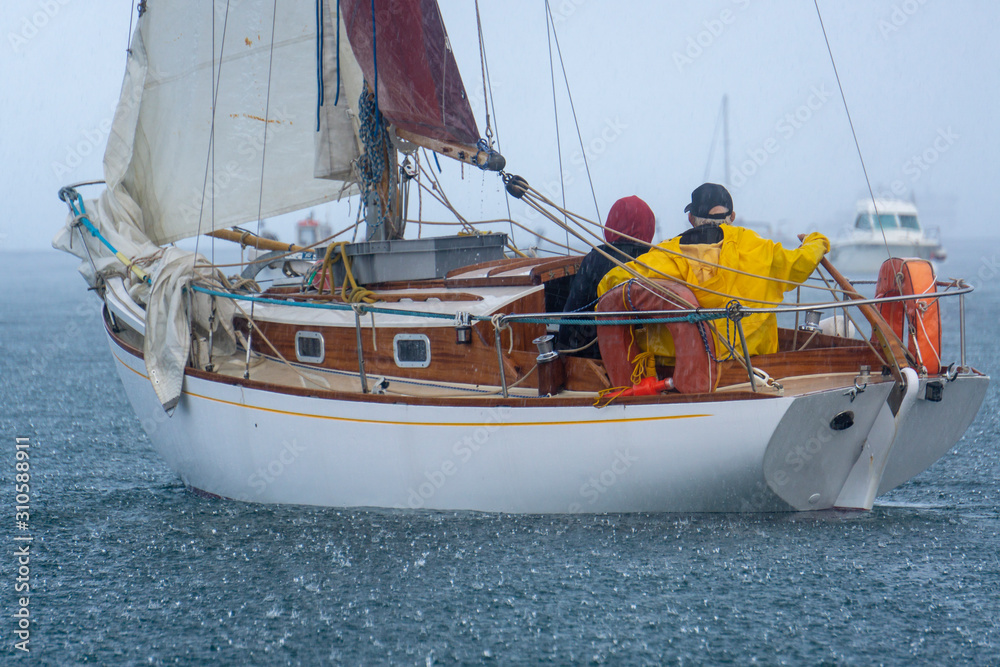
(481, 266)
(461, 152)
(788, 341)
(387, 297)
(540, 270)
(581, 371)
(497, 281)
(491, 401)
(807, 362)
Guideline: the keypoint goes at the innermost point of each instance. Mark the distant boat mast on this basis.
(725, 137)
(723, 123)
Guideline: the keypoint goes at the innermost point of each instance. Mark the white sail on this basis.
(263, 130)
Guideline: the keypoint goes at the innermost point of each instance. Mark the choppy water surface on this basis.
(130, 568)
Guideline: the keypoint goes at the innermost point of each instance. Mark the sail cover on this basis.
(192, 170)
(408, 53)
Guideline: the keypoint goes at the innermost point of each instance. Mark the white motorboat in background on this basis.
(884, 228)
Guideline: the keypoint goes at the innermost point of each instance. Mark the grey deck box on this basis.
(418, 259)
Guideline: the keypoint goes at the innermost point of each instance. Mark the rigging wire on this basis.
(536, 200)
(555, 110)
(857, 145)
(488, 132)
(488, 102)
(420, 196)
(210, 157)
(569, 94)
(263, 157)
(267, 115)
(128, 39)
(215, 94)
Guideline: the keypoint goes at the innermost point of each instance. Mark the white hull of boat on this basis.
(865, 257)
(253, 443)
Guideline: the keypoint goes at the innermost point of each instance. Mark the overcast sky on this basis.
(920, 78)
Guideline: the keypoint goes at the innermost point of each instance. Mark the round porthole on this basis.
(842, 421)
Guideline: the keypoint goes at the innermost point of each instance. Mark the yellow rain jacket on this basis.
(742, 249)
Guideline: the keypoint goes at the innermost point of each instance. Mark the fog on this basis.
(647, 82)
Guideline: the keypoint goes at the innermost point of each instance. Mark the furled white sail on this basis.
(192, 171)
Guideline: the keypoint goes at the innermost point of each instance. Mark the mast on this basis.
(414, 89)
(725, 139)
(722, 119)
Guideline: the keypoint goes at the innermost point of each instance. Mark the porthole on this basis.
(842, 421)
(411, 350)
(309, 347)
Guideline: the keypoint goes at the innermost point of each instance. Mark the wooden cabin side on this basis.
(546, 283)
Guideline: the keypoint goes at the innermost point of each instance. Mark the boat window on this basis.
(411, 350)
(864, 221)
(309, 347)
(909, 222)
(887, 220)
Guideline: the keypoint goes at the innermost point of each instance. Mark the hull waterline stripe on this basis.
(581, 422)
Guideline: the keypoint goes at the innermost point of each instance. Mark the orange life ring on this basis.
(915, 276)
(695, 372)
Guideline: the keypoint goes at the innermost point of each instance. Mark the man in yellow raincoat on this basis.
(714, 240)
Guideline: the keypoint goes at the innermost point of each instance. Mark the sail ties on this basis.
(518, 187)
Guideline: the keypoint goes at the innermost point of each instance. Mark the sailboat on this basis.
(418, 373)
(885, 225)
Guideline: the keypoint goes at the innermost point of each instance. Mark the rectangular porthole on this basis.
(309, 347)
(411, 350)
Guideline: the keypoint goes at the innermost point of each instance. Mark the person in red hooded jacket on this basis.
(630, 216)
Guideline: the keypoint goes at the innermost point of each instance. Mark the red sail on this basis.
(419, 87)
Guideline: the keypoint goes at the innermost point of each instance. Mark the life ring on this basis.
(915, 276)
(695, 372)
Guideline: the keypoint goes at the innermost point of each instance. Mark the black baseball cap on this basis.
(707, 196)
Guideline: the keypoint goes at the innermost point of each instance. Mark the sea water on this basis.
(126, 567)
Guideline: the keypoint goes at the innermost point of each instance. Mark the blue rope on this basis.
(337, 96)
(375, 54)
(693, 318)
(319, 60)
(589, 306)
(483, 146)
(323, 306)
(81, 214)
